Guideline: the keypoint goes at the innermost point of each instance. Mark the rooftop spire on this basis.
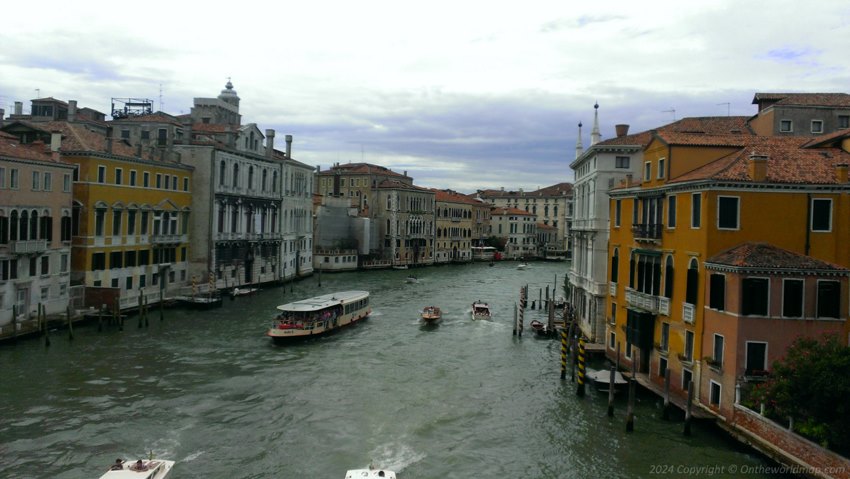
(579, 148)
(595, 137)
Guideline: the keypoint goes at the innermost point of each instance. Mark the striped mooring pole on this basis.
(563, 353)
(580, 390)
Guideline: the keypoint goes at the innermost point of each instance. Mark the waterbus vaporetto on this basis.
(319, 315)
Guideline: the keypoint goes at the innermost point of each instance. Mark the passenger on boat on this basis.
(139, 466)
(119, 465)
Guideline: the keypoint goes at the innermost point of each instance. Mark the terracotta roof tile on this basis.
(805, 99)
(392, 183)
(11, 148)
(448, 196)
(362, 168)
(767, 256)
(158, 117)
(502, 211)
(788, 162)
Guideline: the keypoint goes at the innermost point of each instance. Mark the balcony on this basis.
(647, 232)
(612, 289)
(29, 246)
(664, 306)
(688, 313)
(166, 239)
(644, 301)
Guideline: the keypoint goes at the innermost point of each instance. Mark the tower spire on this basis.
(579, 148)
(595, 136)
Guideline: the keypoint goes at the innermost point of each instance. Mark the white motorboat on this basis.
(431, 314)
(481, 310)
(243, 292)
(522, 266)
(602, 379)
(411, 279)
(369, 473)
(141, 469)
(322, 314)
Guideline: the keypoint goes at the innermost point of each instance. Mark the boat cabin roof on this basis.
(324, 301)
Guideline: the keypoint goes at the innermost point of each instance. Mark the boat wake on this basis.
(395, 456)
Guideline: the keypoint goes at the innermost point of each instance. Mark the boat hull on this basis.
(281, 336)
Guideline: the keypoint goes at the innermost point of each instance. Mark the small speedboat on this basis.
(141, 469)
(481, 310)
(242, 292)
(539, 327)
(522, 266)
(431, 314)
(400, 266)
(602, 379)
(369, 473)
(411, 279)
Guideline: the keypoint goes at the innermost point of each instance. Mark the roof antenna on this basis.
(728, 107)
(671, 110)
(38, 93)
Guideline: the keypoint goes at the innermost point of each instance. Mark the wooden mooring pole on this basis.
(581, 370)
(70, 322)
(688, 416)
(563, 332)
(611, 392)
(665, 411)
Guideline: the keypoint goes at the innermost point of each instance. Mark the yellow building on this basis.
(455, 222)
(698, 196)
(130, 214)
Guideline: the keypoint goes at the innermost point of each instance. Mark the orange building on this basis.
(700, 195)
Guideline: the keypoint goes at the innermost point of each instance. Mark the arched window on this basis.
(668, 278)
(265, 179)
(221, 173)
(632, 271)
(615, 265)
(24, 225)
(235, 175)
(34, 225)
(274, 182)
(13, 226)
(692, 282)
(250, 177)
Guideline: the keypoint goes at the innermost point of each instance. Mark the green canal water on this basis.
(463, 399)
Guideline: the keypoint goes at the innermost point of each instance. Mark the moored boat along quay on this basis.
(459, 398)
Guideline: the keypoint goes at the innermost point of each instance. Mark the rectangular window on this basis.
(612, 340)
(144, 257)
(165, 186)
(821, 214)
(2, 177)
(132, 177)
(101, 174)
(717, 294)
(756, 359)
(662, 367)
(146, 135)
(687, 378)
(116, 260)
(665, 336)
(714, 398)
(786, 126)
(618, 207)
(817, 126)
(45, 265)
(48, 181)
(185, 184)
(116, 222)
(130, 258)
(125, 134)
(98, 261)
(131, 223)
(728, 208)
(671, 211)
(696, 210)
(114, 282)
(146, 179)
(174, 185)
(129, 283)
(718, 350)
(829, 299)
(754, 296)
(158, 180)
(661, 168)
(36, 180)
(99, 217)
(66, 183)
(792, 298)
(13, 178)
(689, 345)
(843, 121)
(647, 171)
(119, 176)
(63, 263)
(33, 267)
(143, 228)
(621, 162)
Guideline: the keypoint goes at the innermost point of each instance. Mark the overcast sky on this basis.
(461, 94)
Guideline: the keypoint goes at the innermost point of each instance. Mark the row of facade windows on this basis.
(162, 181)
(41, 180)
(38, 266)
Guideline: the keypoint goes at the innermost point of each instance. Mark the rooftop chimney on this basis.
(55, 140)
(289, 146)
(841, 171)
(72, 110)
(2, 113)
(269, 143)
(405, 172)
(19, 108)
(622, 130)
(758, 167)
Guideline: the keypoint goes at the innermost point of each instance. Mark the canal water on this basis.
(463, 399)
